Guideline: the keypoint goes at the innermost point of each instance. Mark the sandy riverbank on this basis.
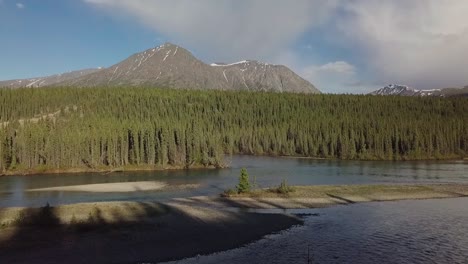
(133, 232)
(127, 232)
(324, 196)
(117, 187)
(107, 187)
(120, 187)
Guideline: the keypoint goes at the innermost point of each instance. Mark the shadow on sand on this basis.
(154, 233)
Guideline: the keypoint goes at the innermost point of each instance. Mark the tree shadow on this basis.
(341, 199)
(133, 232)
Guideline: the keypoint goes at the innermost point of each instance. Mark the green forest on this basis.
(103, 128)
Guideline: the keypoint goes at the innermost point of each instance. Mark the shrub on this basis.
(284, 188)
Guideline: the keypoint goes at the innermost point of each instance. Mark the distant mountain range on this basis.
(46, 81)
(171, 66)
(403, 90)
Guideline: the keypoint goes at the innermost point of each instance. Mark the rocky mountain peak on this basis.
(403, 90)
(171, 66)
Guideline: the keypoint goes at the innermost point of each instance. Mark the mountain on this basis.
(395, 89)
(403, 90)
(171, 66)
(46, 81)
(458, 92)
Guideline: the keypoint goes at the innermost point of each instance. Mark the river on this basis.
(265, 171)
(403, 232)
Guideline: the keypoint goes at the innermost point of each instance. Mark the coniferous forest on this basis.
(103, 128)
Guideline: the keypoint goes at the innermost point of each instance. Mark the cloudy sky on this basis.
(341, 46)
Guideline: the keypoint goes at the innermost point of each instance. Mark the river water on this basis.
(403, 232)
(266, 171)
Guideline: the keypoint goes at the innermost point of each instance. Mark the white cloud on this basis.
(333, 77)
(420, 42)
(341, 67)
(20, 5)
(228, 29)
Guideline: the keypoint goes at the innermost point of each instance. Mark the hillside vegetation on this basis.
(103, 128)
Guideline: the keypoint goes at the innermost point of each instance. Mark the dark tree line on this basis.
(63, 128)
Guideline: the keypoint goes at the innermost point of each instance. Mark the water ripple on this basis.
(416, 232)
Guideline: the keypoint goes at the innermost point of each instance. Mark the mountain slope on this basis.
(172, 66)
(459, 92)
(46, 81)
(403, 90)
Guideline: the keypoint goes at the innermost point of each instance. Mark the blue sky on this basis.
(341, 46)
(48, 36)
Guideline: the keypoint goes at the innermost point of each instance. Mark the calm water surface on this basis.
(267, 172)
(404, 232)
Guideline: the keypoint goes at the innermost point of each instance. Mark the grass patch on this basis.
(283, 188)
(229, 193)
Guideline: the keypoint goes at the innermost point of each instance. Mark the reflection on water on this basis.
(267, 172)
(419, 232)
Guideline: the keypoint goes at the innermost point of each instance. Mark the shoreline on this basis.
(198, 167)
(103, 171)
(180, 228)
(320, 196)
